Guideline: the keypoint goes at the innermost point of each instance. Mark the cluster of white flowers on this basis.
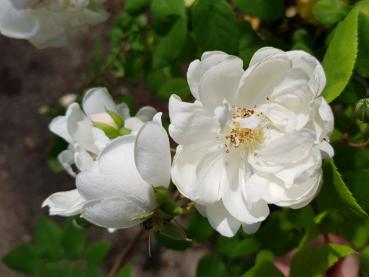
(115, 177)
(49, 23)
(250, 139)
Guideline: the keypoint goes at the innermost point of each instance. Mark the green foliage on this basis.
(330, 11)
(177, 86)
(125, 271)
(343, 197)
(173, 231)
(264, 9)
(215, 26)
(235, 247)
(134, 7)
(211, 266)
(344, 44)
(96, 252)
(316, 260)
(264, 268)
(362, 63)
(199, 228)
(169, 47)
(364, 260)
(58, 251)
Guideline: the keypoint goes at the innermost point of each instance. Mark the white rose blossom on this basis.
(116, 177)
(49, 23)
(251, 138)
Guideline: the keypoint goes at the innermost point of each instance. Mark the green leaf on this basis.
(357, 181)
(234, 247)
(316, 260)
(73, 240)
(97, 251)
(340, 58)
(364, 260)
(362, 63)
(125, 271)
(215, 26)
(135, 7)
(347, 201)
(23, 258)
(264, 268)
(211, 265)
(199, 228)
(48, 237)
(164, 8)
(330, 11)
(169, 243)
(177, 86)
(264, 9)
(169, 47)
(92, 271)
(172, 231)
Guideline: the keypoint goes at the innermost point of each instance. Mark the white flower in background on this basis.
(251, 138)
(77, 126)
(49, 23)
(117, 187)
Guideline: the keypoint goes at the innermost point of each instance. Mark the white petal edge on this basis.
(66, 203)
(152, 154)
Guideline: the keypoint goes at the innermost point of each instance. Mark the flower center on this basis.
(244, 130)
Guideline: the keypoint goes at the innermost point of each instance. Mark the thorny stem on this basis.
(121, 258)
(321, 227)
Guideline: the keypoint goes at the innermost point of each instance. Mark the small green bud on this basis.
(362, 110)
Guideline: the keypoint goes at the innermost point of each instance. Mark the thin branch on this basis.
(122, 257)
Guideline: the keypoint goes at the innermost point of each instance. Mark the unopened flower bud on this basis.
(362, 110)
(104, 118)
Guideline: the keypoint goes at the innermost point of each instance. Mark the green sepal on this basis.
(124, 131)
(118, 120)
(109, 131)
(166, 203)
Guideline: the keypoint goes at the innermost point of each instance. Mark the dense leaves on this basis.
(58, 251)
(316, 260)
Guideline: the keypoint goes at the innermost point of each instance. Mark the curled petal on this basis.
(66, 203)
(98, 100)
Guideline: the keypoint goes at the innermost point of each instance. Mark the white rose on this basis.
(49, 23)
(251, 138)
(114, 190)
(77, 126)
